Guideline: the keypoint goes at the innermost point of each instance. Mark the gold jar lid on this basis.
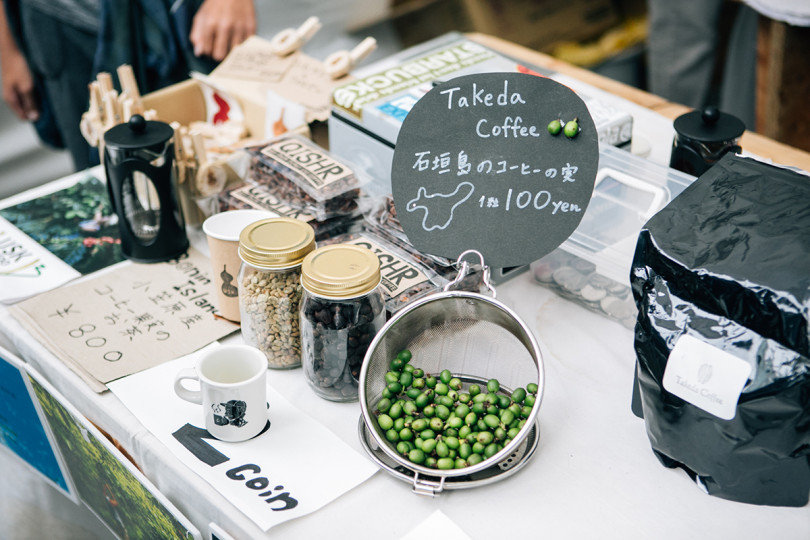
(276, 243)
(340, 271)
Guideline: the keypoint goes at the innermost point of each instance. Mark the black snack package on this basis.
(721, 278)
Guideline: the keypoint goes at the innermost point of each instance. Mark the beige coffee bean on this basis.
(269, 302)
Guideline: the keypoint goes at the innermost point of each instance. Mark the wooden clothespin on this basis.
(179, 154)
(91, 124)
(290, 40)
(340, 63)
(210, 177)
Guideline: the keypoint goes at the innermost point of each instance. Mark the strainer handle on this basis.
(465, 269)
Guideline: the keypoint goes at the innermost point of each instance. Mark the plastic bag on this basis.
(721, 278)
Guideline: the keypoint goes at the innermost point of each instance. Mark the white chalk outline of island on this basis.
(422, 193)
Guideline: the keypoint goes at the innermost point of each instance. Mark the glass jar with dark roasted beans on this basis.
(342, 309)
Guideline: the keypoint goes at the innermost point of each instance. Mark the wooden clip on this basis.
(340, 63)
(179, 157)
(290, 40)
(198, 145)
(89, 129)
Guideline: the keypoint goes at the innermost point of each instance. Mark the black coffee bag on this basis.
(721, 278)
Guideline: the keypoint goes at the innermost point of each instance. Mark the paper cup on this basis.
(223, 231)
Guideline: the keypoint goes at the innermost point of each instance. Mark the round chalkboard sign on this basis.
(503, 163)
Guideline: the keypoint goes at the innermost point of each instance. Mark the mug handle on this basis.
(194, 396)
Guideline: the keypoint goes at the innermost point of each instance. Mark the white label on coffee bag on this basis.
(706, 376)
(307, 160)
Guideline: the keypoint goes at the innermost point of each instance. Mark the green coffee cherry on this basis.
(554, 127)
(571, 128)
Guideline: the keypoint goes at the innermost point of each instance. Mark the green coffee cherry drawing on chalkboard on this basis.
(554, 127)
(571, 128)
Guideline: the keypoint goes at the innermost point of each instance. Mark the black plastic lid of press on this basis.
(709, 125)
(138, 133)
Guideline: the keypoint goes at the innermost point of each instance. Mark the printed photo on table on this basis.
(114, 490)
(22, 427)
(77, 224)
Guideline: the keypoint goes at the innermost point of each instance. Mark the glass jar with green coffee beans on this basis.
(269, 287)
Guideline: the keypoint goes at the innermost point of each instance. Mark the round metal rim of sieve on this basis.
(419, 321)
(433, 486)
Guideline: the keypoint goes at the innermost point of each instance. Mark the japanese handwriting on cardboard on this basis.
(131, 318)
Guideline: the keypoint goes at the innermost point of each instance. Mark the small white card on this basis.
(706, 377)
(437, 525)
(27, 268)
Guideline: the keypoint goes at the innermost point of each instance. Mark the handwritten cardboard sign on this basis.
(475, 167)
(128, 319)
(253, 69)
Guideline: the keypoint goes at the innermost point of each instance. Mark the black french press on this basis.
(138, 161)
(702, 137)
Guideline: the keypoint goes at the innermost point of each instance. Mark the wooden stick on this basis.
(96, 109)
(129, 86)
(111, 115)
(105, 82)
(127, 107)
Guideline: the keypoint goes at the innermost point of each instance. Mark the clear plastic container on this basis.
(270, 287)
(342, 309)
(592, 267)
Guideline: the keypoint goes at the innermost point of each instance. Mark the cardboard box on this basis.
(262, 84)
(368, 111)
(184, 102)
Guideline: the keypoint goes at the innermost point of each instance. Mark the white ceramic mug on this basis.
(233, 391)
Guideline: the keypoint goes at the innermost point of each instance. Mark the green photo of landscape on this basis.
(104, 483)
(76, 224)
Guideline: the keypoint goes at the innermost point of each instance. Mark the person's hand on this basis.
(220, 25)
(18, 85)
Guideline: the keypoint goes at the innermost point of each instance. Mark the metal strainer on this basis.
(477, 338)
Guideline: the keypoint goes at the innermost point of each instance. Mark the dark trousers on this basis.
(63, 56)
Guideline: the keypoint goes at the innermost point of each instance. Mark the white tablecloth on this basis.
(593, 474)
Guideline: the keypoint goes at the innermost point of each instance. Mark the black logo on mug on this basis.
(231, 413)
